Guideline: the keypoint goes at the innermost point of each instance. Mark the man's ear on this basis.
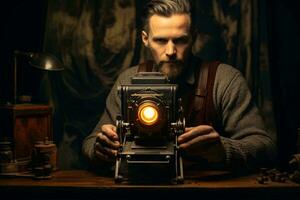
(145, 38)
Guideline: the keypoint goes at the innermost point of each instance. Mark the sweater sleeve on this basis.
(112, 108)
(247, 143)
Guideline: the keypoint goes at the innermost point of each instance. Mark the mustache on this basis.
(170, 62)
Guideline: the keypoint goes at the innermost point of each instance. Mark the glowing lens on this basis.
(148, 114)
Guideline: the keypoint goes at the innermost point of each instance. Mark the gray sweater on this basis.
(247, 143)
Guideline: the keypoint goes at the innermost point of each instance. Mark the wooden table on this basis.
(86, 185)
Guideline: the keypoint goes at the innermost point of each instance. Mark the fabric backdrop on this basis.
(98, 39)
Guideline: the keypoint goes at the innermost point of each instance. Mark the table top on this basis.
(82, 178)
(83, 182)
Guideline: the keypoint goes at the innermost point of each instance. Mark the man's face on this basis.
(169, 41)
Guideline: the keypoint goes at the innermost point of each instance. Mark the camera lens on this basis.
(148, 113)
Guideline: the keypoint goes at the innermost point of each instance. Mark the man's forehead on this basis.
(175, 24)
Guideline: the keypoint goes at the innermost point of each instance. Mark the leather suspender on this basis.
(203, 106)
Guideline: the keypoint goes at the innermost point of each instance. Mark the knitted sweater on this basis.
(247, 143)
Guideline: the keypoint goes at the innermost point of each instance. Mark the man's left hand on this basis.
(203, 141)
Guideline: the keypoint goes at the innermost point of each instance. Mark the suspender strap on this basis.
(203, 107)
(211, 113)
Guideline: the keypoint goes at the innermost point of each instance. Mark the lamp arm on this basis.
(15, 86)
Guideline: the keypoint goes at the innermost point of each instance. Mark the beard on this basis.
(172, 69)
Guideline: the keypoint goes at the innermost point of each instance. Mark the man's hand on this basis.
(202, 141)
(107, 143)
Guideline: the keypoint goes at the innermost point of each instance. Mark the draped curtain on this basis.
(98, 39)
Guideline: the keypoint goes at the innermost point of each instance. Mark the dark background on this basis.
(23, 28)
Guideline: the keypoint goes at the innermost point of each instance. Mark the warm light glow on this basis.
(48, 65)
(148, 114)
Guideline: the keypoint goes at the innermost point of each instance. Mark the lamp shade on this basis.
(44, 61)
(40, 60)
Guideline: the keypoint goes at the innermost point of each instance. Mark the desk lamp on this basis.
(41, 61)
(24, 125)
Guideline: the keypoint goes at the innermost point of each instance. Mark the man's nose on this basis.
(171, 50)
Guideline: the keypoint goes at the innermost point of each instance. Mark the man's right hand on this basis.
(107, 143)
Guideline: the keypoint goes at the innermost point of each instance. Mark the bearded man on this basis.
(238, 141)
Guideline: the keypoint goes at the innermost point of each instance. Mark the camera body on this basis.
(148, 126)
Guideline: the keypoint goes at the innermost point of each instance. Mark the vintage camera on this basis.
(150, 122)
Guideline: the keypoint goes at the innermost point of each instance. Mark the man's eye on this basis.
(161, 40)
(183, 40)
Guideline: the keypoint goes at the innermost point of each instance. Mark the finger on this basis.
(110, 131)
(195, 132)
(99, 152)
(105, 141)
(200, 142)
(103, 157)
(188, 128)
(109, 153)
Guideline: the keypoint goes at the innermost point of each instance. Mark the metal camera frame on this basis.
(154, 147)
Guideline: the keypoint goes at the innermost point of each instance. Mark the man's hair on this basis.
(164, 8)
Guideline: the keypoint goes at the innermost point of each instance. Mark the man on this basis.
(241, 141)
